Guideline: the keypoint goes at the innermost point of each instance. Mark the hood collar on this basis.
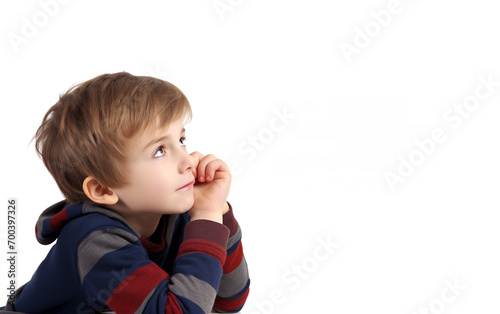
(52, 219)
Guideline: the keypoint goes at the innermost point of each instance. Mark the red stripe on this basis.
(131, 292)
(231, 305)
(203, 246)
(58, 219)
(152, 247)
(172, 305)
(233, 260)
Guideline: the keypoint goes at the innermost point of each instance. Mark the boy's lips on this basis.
(186, 187)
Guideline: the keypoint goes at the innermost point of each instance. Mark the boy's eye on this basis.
(159, 152)
(182, 140)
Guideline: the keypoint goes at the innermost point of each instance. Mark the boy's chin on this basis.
(182, 208)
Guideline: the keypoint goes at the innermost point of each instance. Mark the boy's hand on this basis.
(211, 187)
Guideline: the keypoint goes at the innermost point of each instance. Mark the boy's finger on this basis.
(211, 168)
(202, 166)
(196, 156)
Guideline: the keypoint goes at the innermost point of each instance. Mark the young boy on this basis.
(145, 227)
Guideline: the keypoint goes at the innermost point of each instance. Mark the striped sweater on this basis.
(100, 263)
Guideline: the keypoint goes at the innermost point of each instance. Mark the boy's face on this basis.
(158, 167)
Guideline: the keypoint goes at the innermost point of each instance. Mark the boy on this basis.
(145, 227)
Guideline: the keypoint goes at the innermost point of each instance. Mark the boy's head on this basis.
(89, 130)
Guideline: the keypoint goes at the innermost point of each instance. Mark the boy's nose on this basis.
(187, 163)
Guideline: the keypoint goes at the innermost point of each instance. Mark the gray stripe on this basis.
(194, 289)
(235, 281)
(235, 238)
(88, 208)
(99, 243)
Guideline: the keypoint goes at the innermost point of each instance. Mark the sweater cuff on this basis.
(229, 221)
(207, 230)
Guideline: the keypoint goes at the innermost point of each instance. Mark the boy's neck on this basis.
(144, 223)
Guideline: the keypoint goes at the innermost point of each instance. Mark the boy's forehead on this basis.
(155, 132)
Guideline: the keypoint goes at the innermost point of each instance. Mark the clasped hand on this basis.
(211, 187)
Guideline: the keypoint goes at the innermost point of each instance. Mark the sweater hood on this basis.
(53, 219)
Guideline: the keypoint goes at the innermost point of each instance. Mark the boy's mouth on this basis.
(187, 186)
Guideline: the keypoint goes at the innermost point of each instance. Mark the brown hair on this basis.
(86, 131)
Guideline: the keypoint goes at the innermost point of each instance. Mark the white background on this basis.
(320, 175)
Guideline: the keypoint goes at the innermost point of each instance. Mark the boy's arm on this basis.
(115, 270)
(235, 283)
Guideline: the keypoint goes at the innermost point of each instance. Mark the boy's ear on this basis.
(99, 193)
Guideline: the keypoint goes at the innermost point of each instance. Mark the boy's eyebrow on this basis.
(159, 139)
